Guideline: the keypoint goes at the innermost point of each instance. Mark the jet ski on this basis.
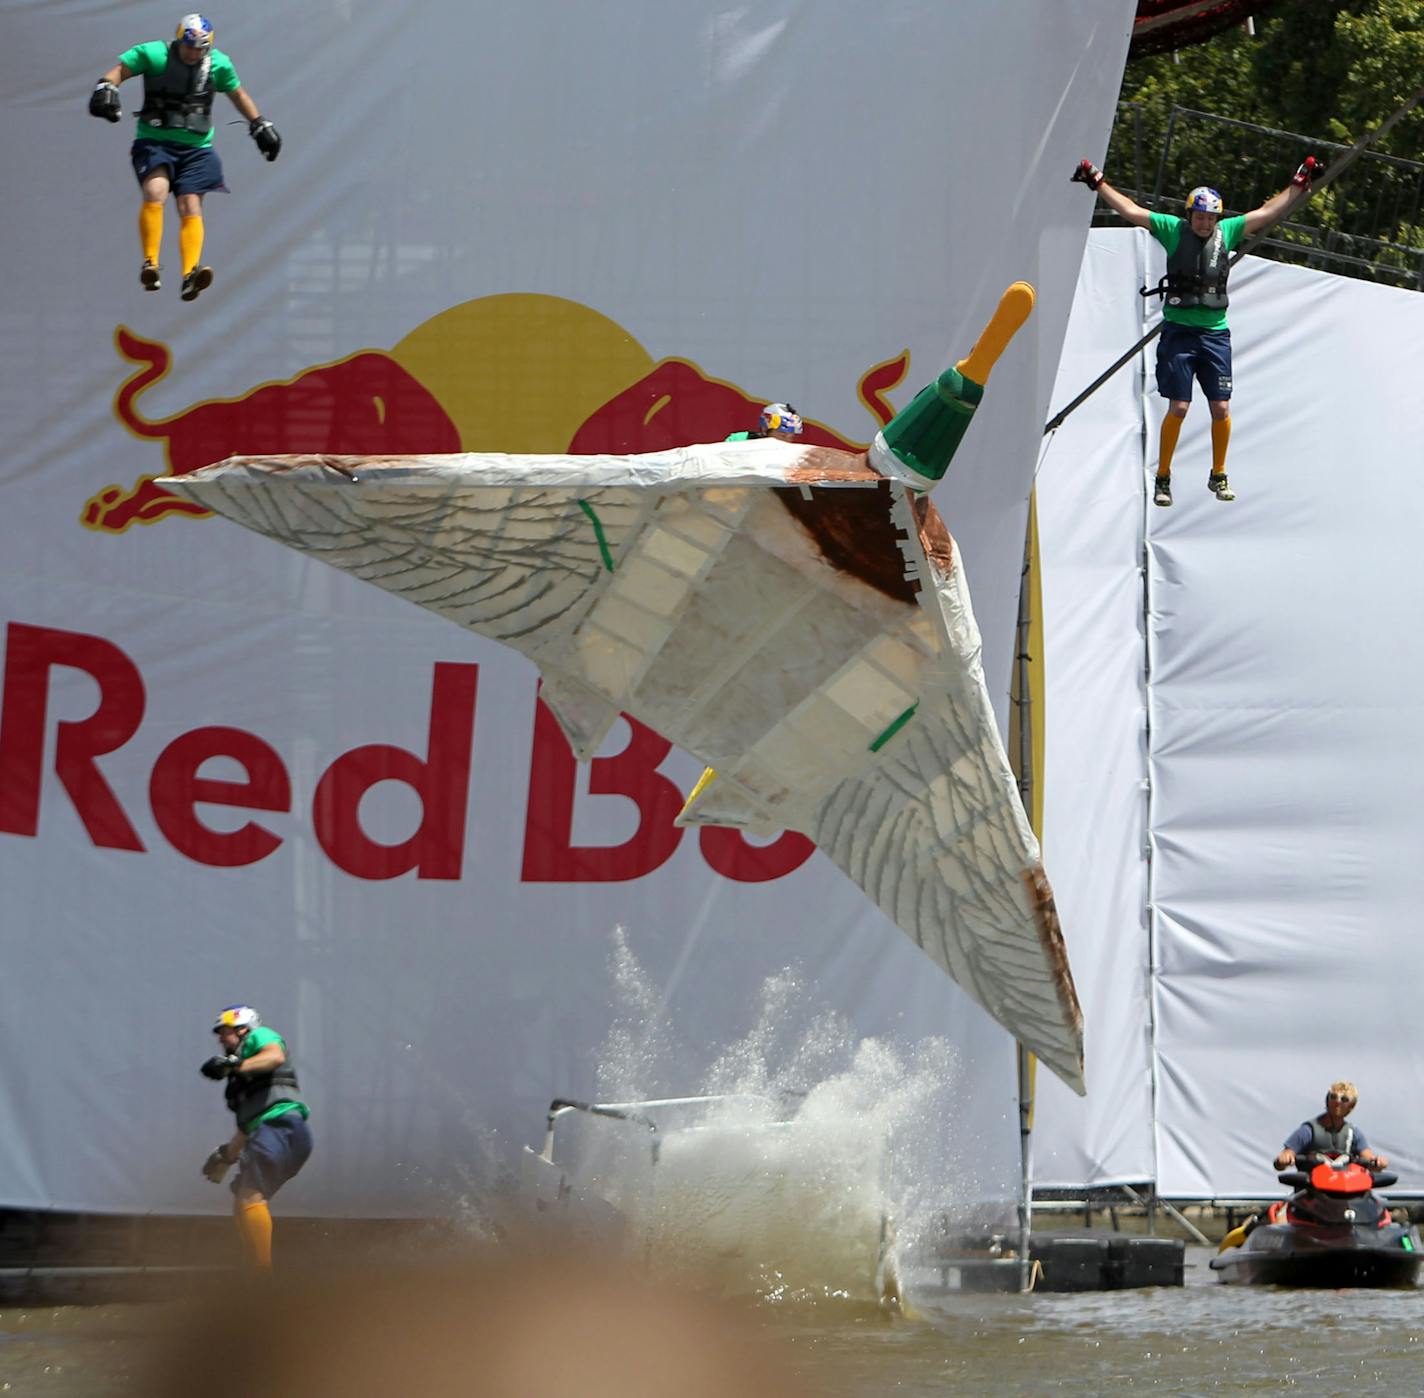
(1333, 1231)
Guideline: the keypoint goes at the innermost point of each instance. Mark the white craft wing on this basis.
(784, 613)
(936, 835)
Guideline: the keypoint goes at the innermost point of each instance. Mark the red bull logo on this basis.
(515, 373)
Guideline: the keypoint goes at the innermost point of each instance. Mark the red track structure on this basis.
(1164, 25)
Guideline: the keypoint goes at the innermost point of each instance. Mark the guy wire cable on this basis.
(1331, 171)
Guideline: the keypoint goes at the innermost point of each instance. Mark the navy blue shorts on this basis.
(274, 1152)
(193, 169)
(1185, 353)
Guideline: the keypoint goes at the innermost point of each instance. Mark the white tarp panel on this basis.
(228, 773)
(1090, 506)
(1286, 681)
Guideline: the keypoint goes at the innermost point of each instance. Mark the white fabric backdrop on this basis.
(775, 194)
(1090, 506)
(1286, 677)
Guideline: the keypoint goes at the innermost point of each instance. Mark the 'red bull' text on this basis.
(439, 779)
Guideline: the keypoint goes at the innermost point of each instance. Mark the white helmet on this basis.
(196, 31)
(781, 418)
(1204, 200)
(237, 1017)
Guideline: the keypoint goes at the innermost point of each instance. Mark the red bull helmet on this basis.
(781, 418)
(1204, 200)
(196, 31)
(241, 1017)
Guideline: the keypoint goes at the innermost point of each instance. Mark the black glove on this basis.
(1087, 173)
(265, 134)
(104, 102)
(219, 1068)
(1309, 169)
(216, 1165)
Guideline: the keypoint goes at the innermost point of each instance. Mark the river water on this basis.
(1199, 1339)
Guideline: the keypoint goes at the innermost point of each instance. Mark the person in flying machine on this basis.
(1195, 342)
(272, 1140)
(173, 145)
(1330, 1134)
(777, 420)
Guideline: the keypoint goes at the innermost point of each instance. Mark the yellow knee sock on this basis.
(1171, 430)
(1220, 437)
(150, 229)
(254, 1226)
(190, 240)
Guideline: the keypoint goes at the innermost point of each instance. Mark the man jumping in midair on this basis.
(1195, 343)
(173, 146)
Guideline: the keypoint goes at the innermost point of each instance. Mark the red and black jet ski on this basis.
(1333, 1231)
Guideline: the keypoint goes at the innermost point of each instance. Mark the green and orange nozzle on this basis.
(918, 443)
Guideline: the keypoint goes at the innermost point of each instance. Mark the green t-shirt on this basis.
(153, 58)
(252, 1041)
(1167, 229)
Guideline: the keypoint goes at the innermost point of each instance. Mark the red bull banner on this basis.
(228, 773)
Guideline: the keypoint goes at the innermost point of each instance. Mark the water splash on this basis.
(640, 1046)
(816, 1163)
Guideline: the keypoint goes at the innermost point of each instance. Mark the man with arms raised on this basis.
(1195, 342)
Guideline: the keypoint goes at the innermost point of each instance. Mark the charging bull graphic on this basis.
(540, 374)
(362, 404)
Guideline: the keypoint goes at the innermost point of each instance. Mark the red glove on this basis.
(1087, 173)
(1309, 169)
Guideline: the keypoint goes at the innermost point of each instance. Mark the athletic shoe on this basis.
(148, 276)
(1220, 486)
(1162, 491)
(199, 279)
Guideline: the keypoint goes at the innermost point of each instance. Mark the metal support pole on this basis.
(1177, 1214)
(1137, 153)
(1023, 749)
(1162, 163)
(1025, 1167)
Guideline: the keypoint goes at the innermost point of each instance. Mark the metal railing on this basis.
(638, 1113)
(1367, 225)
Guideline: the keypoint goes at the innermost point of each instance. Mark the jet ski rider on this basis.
(1330, 1134)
